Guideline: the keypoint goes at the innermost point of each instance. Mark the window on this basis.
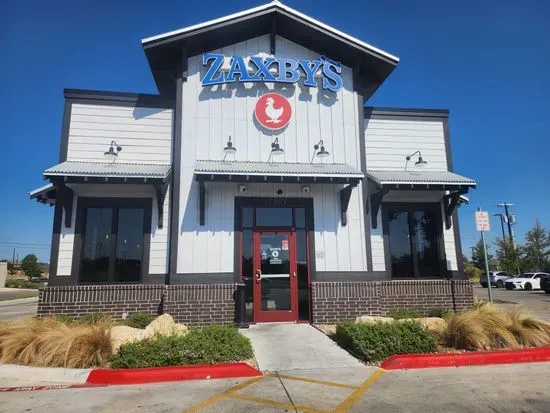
(114, 239)
(413, 240)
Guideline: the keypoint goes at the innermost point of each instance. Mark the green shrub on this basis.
(139, 320)
(375, 342)
(440, 312)
(19, 283)
(399, 313)
(213, 344)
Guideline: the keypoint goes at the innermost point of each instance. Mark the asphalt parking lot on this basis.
(501, 389)
(535, 302)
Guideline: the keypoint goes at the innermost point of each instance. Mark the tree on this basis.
(478, 257)
(30, 266)
(509, 256)
(537, 248)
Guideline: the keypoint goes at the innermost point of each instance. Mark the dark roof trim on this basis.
(371, 111)
(119, 98)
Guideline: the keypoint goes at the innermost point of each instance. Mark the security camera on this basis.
(280, 192)
(242, 188)
(305, 189)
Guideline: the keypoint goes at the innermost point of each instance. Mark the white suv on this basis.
(498, 278)
(527, 281)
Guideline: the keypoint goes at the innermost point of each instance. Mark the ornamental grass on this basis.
(487, 328)
(52, 343)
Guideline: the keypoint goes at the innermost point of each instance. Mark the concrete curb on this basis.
(18, 301)
(477, 358)
(82, 378)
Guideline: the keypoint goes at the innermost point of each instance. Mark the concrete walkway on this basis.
(282, 346)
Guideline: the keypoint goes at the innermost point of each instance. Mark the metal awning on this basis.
(45, 194)
(454, 185)
(420, 179)
(238, 171)
(70, 172)
(304, 173)
(107, 170)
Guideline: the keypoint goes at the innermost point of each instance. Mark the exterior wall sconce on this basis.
(229, 148)
(319, 150)
(111, 154)
(275, 149)
(419, 163)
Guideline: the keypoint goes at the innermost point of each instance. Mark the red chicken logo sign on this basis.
(273, 111)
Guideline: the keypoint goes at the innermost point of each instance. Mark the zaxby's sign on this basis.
(271, 69)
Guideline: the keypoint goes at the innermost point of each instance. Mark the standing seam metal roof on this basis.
(419, 177)
(109, 170)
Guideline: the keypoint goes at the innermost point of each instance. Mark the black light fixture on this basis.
(276, 148)
(111, 154)
(419, 163)
(319, 150)
(229, 148)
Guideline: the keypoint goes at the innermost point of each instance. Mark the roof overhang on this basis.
(164, 52)
(45, 194)
(423, 180)
(236, 171)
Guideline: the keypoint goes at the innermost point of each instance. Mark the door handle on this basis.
(258, 275)
(294, 274)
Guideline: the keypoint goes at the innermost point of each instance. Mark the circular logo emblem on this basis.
(273, 111)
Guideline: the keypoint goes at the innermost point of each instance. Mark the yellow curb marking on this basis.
(305, 409)
(356, 395)
(315, 381)
(225, 393)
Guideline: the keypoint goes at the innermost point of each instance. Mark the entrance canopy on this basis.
(455, 186)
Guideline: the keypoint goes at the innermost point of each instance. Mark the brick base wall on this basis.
(334, 301)
(191, 304)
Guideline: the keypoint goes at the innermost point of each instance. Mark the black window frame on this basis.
(411, 207)
(83, 204)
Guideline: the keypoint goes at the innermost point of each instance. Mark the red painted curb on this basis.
(172, 373)
(477, 358)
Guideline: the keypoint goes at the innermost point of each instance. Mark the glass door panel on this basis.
(129, 245)
(97, 245)
(275, 277)
(400, 244)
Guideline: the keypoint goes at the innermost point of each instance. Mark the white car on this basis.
(527, 281)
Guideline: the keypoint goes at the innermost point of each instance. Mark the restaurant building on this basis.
(257, 162)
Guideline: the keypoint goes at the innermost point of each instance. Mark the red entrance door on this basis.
(275, 283)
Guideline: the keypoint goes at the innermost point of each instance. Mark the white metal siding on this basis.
(388, 142)
(211, 114)
(158, 255)
(145, 134)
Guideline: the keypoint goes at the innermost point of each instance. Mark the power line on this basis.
(23, 244)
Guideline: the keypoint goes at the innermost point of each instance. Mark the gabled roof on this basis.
(164, 51)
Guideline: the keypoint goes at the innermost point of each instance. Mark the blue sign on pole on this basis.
(258, 70)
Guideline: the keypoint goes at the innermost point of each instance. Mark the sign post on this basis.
(482, 225)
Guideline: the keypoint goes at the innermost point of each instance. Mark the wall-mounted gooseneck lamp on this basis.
(229, 148)
(319, 150)
(419, 163)
(275, 149)
(111, 154)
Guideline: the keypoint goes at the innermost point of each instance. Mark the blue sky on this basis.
(486, 61)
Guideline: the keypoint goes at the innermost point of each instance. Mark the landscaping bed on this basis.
(372, 339)
(140, 341)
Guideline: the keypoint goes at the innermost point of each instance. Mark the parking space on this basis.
(504, 388)
(536, 302)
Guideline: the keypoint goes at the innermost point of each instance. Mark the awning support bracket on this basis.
(375, 204)
(202, 203)
(450, 202)
(345, 195)
(64, 195)
(160, 190)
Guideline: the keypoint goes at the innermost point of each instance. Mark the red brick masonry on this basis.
(200, 304)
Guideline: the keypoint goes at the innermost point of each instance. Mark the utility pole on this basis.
(507, 205)
(13, 258)
(501, 225)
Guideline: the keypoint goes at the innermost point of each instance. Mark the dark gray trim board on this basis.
(458, 245)
(324, 276)
(56, 235)
(399, 113)
(118, 98)
(65, 127)
(447, 137)
(176, 172)
(203, 278)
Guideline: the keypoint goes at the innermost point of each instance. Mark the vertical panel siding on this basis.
(210, 115)
(450, 248)
(388, 142)
(145, 134)
(66, 242)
